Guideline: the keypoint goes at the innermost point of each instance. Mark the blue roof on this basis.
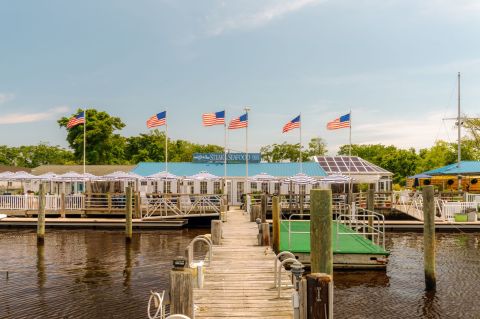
(233, 170)
(466, 167)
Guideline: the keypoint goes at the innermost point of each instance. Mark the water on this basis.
(93, 274)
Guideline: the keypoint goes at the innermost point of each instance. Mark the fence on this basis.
(450, 209)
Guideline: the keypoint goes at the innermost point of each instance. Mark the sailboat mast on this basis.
(459, 124)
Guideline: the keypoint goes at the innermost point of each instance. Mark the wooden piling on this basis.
(263, 215)
(276, 223)
(256, 212)
(138, 207)
(321, 252)
(216, 231)
(265, 234)
(62, 205)
(319, 296)
(128, 213)
(429, 237)
(41, 215)
(301, 201)
(181, 292)
(370, 207)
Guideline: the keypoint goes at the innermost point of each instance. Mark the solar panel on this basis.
(345, 164)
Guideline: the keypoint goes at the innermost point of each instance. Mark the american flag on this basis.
(209, 119)
(295, 123)
(77, 119)
(157, 120)
(341, 122)
(239, 122)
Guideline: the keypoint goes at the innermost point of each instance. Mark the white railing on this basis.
(358, 221)
(28, 202)
(75, 202)
(450, 209)
(172, 206)
(472, 198)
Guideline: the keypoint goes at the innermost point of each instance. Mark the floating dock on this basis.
(239, 281)
(351, 250)
(91, 222)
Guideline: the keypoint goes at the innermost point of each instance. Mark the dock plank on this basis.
(239, 281)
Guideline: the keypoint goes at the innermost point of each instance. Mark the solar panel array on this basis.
(344, 164)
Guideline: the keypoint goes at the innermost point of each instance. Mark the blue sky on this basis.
(392, 62)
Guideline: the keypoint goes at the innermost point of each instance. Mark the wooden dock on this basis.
(239, 281)
(90, 222)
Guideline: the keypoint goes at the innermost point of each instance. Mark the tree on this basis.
(151, 148)
(35, 155)
(103, 145)
(316, 147)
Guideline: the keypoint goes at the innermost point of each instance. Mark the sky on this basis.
(393, 63)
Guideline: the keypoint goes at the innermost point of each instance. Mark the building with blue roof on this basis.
(235, 177)
(447, 177)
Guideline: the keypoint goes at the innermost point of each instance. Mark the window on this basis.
(167, 187)
(143, 183)
(302, 189)
(10, 184)
(277, 188)
(253, 187)
(216, 187)
(265, 187)
(203, 187)
(190, 187)
(155, 187)
(239, 191)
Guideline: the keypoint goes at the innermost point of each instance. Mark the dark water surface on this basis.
(94, 274)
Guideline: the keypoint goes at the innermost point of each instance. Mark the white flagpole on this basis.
(225, 151)
(166, 143)
(300, 156)
(350, 153)
(84, 138)
(246, 149)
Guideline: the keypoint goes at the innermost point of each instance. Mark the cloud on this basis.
(5, 97)
(16, 118)
(258, 16)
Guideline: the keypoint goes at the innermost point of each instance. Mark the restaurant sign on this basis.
(231, 157)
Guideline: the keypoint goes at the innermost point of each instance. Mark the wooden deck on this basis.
(239, 281)
(90, 222)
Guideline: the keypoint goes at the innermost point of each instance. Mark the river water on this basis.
(94, 274)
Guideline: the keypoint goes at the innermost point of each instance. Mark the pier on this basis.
(239, 281)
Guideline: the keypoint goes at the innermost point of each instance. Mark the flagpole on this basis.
(225, 151)
(300, 156)
(84, 138)
(246, 149)
(166, 143)
(350, 154)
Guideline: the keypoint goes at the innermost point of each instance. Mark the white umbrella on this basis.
(163, 176)
(337, 179)
(72, 176)
(203, 176)
(47, 177)
(263, 177)
(22, 175)
(119, 175)
(5, 175)
(301, 179)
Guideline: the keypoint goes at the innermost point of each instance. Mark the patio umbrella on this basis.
(263, 177)
(72, 176)
(203, 176)
(162, 176)
(21, 176)
(337, 179)
(47, 177)
(119, 175)
(5, 175)
(301, 179)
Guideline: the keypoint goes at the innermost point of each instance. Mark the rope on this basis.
(157, 299)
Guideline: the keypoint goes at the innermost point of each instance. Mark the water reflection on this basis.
(95, 274)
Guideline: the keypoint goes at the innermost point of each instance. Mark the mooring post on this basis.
(429, 237)
(301, 201)
(128, 213)
(138, 206)
(370, 207)
(263, 216)
(265, 233)
(321, 251)
(319, 296)
(41, 215)
(181, 290)
(62, 205)
(276, 223)
(216, 231)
